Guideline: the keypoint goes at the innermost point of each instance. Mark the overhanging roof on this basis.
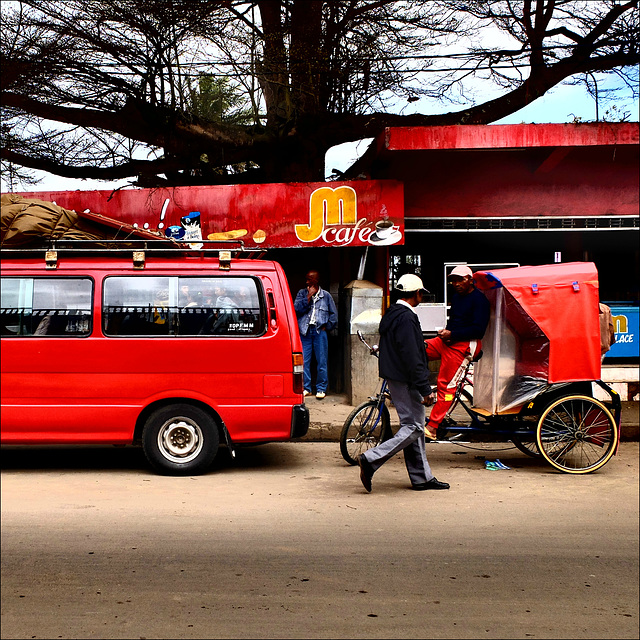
(570, 174)
(507, 136)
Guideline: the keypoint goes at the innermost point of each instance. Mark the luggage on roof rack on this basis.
(139, 248)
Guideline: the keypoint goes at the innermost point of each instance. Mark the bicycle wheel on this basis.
(527, 446)
(365, 427)
(577, 434)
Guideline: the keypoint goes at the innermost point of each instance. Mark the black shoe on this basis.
(365, 472)
(432, 484)
(441, 432)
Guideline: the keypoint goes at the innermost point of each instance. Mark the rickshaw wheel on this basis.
(527, 446)
(576, 434)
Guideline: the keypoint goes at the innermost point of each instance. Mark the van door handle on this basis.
(272, 310)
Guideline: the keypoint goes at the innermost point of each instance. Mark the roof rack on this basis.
(140, 247)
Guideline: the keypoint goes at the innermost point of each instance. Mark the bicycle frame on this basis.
(479, 422)
(380, 399)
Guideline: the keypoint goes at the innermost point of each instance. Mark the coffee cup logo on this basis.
(384, 228)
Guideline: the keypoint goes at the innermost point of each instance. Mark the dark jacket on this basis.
(469, 316)
(402, 352)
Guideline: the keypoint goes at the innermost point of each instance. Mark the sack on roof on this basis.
(30, 223)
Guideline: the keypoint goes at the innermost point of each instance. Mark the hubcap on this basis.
(180, 440)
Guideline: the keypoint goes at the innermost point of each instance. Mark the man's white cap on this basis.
(462, 271)
(410, 283)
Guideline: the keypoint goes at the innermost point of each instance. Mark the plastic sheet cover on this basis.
(514, 367)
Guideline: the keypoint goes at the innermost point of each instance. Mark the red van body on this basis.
(177, 387)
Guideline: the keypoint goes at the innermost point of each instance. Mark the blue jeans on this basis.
(315, 342)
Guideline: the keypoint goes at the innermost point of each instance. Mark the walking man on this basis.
(403, 363)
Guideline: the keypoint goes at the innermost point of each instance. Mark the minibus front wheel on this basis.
(180, 439)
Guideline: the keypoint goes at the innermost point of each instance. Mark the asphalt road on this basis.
(285, 543)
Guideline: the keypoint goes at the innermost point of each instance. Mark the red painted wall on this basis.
(513, 170)
(586, 182)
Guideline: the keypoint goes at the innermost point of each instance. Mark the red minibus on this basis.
(174, 352)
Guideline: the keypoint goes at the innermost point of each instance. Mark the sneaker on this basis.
(305, 393)
(320, 395)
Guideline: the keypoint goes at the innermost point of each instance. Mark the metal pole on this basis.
(363, 262)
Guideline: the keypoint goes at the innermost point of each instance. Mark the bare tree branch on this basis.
(87, 87)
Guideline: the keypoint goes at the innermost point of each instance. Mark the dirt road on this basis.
(285, 543)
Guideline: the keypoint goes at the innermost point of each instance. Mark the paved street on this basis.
(285, 543)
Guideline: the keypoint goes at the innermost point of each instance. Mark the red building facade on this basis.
(526, 194)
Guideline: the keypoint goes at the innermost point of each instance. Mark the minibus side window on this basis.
(227, 306)
(139, 306)
(182, 306)
(59, 307)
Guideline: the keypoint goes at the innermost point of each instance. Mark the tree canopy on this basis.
(180, 92)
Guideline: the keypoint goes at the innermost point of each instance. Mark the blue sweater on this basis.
(469, 316)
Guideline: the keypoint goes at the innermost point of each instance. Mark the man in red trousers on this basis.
(468, 320)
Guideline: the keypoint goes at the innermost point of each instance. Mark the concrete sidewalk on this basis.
(327, 418)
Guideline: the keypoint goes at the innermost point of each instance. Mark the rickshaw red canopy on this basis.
(540, 359)
(562, 300)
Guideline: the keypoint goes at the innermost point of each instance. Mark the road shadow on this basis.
(475, 456)
(132, 458)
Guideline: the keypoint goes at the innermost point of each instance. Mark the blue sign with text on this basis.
(625, 322)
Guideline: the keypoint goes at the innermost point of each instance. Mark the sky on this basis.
(564, 103)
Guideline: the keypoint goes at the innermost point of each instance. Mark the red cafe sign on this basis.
(336, 214)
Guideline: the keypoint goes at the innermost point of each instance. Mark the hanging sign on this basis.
(315, 214)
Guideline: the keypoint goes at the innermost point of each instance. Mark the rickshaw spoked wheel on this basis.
(576, 434)
(527, 446)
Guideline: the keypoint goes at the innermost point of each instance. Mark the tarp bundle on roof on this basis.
(29, 223)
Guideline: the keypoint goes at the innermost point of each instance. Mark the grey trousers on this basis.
(410, 436)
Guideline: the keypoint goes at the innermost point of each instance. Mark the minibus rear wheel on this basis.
(180, 439)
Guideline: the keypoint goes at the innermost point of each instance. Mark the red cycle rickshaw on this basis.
(540, 366)
(535, 381)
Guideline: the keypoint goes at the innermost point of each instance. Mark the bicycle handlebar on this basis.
(373, 350)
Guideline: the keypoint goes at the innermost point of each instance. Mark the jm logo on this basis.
(328, 206)
(620, 324)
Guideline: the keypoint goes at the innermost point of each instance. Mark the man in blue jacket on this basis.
(317, 314)
(403, 362)
(468, 320)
